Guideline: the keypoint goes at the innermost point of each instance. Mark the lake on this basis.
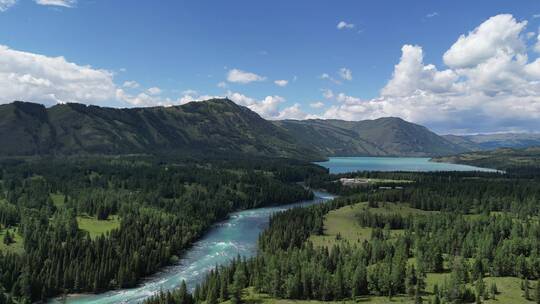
(352, 164)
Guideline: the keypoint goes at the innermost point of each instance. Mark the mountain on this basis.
(494, 141)
(388, 136)
(212, 127)
(501, 158)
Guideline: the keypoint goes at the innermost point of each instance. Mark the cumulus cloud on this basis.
(431, 15)
(6, 4)
(410, 74)
(342, 25)
(537, 44)
(239, 76)
(49, 80)
(326, 76)
(131, 84)
(317, 104)
(490, 85)
(268, 107)
(222, 84)
(327, 93)
(499, 35)
(154, 91)
(292, 112)
(64, 3)
(149, 99)
(345, 74)
(281, 82)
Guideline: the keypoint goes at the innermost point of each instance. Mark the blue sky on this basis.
(283, 59)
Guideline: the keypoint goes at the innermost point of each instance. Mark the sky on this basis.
(460, 67)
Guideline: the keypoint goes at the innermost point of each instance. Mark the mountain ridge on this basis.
(387, 136)
(215, 127)
(199, 128)
(479, 142)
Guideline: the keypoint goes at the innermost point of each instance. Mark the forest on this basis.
(470, 231)
(156, 208)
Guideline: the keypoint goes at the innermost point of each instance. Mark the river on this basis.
(239, 233)
(235, 236)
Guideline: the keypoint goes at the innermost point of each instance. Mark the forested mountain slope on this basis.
(389, 136)
(217, 126)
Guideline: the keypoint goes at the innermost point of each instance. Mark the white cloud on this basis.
(6, 4)
(239, 76)
(64, 3)
(433, 14)
(499, 35)
(536, 16)
(292, 112)
(410, 74)
(146, 99)
(268, 107)
(49, 80)
(130, 84)
(281, 83)
(344, 25)
(326, 76)
(317, 104)
(327, 93)
(496, 88)
(154, 91)
(222, 84)
(537, 44)
(345, 74)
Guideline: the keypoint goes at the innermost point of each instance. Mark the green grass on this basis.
(343, 222)
(509, 293)
(96, 227)
(16, 247)
(250, 296)
(58, 200)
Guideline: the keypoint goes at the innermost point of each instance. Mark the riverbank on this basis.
(224, 241)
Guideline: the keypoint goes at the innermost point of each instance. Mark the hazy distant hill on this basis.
(388, 136)
(494, 141)
(502, 158)
(216, 126)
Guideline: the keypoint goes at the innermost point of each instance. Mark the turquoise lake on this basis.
(239, 233)
(351, 164)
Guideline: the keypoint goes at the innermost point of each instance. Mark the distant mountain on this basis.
(494, 141)
(502, 158)
(213, 127)
(388, 136)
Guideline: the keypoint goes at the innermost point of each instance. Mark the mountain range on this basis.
(494, 141)
(213, 127)
(217, 127)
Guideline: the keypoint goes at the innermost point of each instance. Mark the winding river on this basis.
(238, 235)
(235, 236)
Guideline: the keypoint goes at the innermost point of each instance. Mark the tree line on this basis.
(484, 225)
(163, 206)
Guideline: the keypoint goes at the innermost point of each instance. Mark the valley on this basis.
(97, 199)
(425, 243)
(253, 152)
